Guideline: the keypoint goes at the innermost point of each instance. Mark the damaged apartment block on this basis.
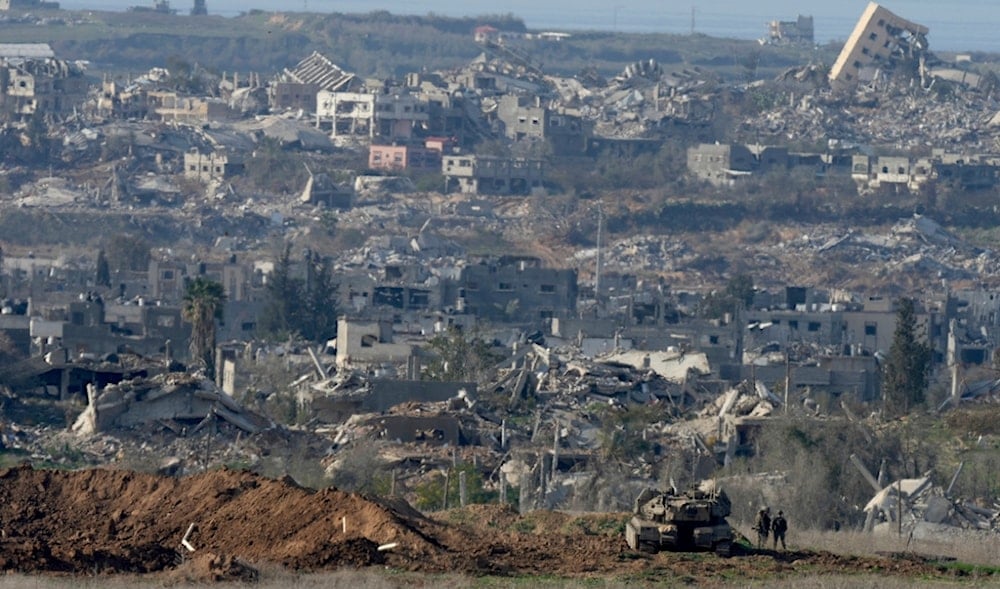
(32, 80)
(879, 40)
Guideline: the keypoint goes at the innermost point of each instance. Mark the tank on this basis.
(688, 521)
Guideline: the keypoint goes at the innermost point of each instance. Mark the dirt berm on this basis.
(113, 521)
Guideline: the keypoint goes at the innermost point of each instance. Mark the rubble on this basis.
(921, 510)
(171, 399)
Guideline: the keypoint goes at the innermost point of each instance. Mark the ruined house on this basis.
(399, 115)
(297, 88)
(167, 105)
(518, 288)
(447, 114)
(899, 173)
(369, 343)
(719, 164)
(321, 189)
(32, 83)
(722, 164)
(404, 157)
(96, 328)
(216, 165)
(525, 117)
(878, 38)
(346, 113)
(483, 174)
(125, 100)
(793, 32)
(395, 116)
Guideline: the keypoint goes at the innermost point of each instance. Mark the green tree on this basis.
(297, 307)
(280, 316)
(740, 288)
(319, 321)
(459, 356)
(738, 293)
(203, 304)
(906, 371)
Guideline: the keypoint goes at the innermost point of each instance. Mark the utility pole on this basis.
(597, 271)
(788, 377)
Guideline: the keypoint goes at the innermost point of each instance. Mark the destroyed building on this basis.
(321, 189)
(915, 174)
(725, 164)
(404, 157)
(393, 116)
(31, 81)
(216, 165)
(795, 32)
(879, 38)
(94, 328)
(168, 105)
(297, 87)
(514, 288)
(525, 118)
(370, 343)
(346, 113)
(484, 174)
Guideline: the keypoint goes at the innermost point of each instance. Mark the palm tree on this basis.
(203, 301)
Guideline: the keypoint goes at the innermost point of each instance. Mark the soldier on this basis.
(779, 526)
(763, 526)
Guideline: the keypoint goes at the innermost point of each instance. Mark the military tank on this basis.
(692, 520)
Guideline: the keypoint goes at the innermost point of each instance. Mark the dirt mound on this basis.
(118, 521)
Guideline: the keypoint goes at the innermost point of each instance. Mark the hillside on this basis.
(375, 44)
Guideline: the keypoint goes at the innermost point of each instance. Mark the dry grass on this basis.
(973, 551)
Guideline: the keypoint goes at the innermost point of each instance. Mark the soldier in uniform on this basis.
(763, 526)
(779, 526)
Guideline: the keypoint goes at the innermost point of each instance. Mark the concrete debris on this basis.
(918, 508)
(170, 398)
(746, 400)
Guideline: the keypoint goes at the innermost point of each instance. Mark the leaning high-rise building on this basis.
(879, 37)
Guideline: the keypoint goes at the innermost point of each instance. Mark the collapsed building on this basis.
(921, 510)
(33, 80)
(298, 86)
(879, 38)
(795, 32)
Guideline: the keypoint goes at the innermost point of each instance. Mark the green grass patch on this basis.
(526, 525)
(965, 569)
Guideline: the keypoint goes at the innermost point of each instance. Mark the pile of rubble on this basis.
(169, 399)
(887, 113)
(912, 250)
(923, 511)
